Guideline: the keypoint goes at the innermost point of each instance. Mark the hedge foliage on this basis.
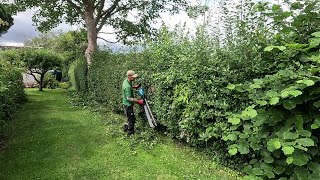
(11, 88)
(252, 96)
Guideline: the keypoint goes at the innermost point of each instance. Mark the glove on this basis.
(140, 102)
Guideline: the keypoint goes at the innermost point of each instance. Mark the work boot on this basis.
(125, 127)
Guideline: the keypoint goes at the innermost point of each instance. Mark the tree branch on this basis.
(99, 10)
(76, 7)
(106, 14)
(107, 40)
(34, 77)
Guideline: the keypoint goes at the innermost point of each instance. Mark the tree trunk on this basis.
(91, 32)
(41, 81)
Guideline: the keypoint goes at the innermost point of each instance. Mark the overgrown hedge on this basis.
(254, 96)
(11, 88)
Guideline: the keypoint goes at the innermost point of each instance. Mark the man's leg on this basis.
(131, 119)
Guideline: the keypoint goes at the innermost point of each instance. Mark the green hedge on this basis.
(12, 93)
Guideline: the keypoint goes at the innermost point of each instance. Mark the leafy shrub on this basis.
(64, 85)
(11, 89)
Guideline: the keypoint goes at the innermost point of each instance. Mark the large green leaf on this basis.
(289, 160)
(232, 137)
(287, 150)
(273, 144)
(274, 100)
(305, 142)
(268, 159)
(314, 167)
(314, 43)
(233, 151)
(316, 34)
(231, 86)
(289, 104)
(249, 112)
(279, 170)
(290, 135)
(234, 120)
(300, 159)
(302, 173)
(307, 82)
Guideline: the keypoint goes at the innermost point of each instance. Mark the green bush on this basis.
(64, 85)
(78, 75)
(11, 88)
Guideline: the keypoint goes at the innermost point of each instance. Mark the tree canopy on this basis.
(6, 21)
(130, 18)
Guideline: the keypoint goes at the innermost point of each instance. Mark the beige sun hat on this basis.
(132, 74)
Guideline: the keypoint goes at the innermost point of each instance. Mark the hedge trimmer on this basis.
(147, 109)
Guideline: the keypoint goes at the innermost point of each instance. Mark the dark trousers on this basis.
(131, 119)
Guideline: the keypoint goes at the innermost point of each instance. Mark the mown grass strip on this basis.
(50, 139)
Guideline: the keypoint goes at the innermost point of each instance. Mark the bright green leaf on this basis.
(305, 142)
(316, 34)
(314, 126)
(290, 135)
(268, 48)
(287, 150)
(274, 100)
(232, 137)
(234, 120)
(314, 42)
(233, 151)
(231, 86)
(261, 102)
(307, 82)
(289, 160)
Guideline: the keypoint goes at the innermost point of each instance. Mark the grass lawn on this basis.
(50, 139)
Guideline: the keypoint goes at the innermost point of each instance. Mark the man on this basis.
(128, 101)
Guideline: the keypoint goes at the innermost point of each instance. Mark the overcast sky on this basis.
(23, 28)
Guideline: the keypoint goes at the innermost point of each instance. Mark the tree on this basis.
(39, 62)
(6, 21)
(95, 14)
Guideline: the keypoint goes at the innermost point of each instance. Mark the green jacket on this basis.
(127, 91)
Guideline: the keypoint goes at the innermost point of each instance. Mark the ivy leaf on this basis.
(289, 104)
(274, 100)
(307, 82)
(287, 150)
(305, 142)
(234, 120)
(316, 34)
